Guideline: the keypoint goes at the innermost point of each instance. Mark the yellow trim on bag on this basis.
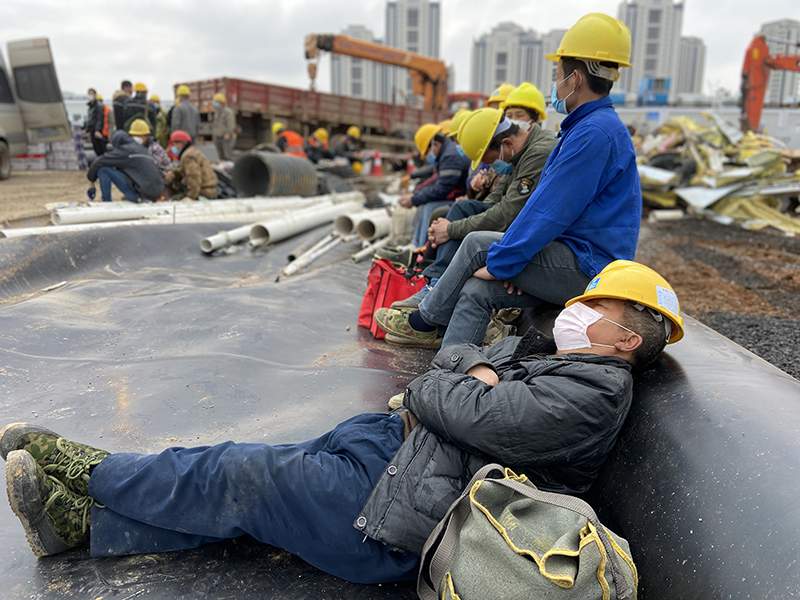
(450, 588)
(560, 580)
(601, 568)
(627, 558)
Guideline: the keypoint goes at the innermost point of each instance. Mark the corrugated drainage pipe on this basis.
(280, 228)
(270, 174)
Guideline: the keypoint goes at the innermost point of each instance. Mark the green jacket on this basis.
(162, 128)
(506, 200)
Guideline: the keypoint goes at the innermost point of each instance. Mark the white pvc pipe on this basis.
(306, 259)
(306, 248)
(369, 250)
(346, 224)
(225, 238)
(280, 228)
(63, 216)
(375, 225)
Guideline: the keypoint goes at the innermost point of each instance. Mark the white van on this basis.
(31, 106)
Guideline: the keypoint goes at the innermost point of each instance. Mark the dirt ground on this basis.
(24, 195)
(744, 284)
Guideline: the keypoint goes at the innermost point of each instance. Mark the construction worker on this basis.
(193, 176)
(223, 129)
(444, 186)
(162, 125)
(583, 214)
(94, 123)
(119, 101)
(142, 134)
(184, 116)
(317, 146)
(499, 95)
(138, 107)
(108, 118)
(486, 135)
(129, 167)
(349, 146)
(288, 141)
(360, 501)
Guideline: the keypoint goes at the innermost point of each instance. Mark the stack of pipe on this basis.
(368, 224)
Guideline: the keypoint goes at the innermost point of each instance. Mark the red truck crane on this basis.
(758, 63)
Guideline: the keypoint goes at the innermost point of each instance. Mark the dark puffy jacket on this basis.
(139, 108)
(94, 117)
(452, 168)
(119, 102)
(553, 418)
(135, 161)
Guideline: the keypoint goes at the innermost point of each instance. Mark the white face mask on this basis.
(523, 125)
(571, 325)
(138, 140)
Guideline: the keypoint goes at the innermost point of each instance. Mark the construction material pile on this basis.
(714, 170)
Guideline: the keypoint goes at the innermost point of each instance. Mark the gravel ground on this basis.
(24, 195)
(744, 284)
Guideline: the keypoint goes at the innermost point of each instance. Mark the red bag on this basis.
(386, 283)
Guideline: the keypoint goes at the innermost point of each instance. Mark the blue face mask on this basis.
(460, 151)
(501, 167)
(430, 158)
(560, 104)
(175, 150)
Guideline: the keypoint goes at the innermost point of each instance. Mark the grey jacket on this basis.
(507, 199)
(135, 161)
(553, 418)
(185, 118)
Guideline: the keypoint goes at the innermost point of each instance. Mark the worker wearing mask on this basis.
(119, 101)
(94, 123)
(142, 134)
(162, 125)
(288, 141)
(445, 185)
(485, 136)
(129, 167)
(138, 107)
(184, 116)
(484, 178)
(584, 213)
(193, 176)
(317, 146)
(223, 129)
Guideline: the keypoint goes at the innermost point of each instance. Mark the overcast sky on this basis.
(97, 42)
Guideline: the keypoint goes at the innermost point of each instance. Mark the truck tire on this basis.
(5, 161)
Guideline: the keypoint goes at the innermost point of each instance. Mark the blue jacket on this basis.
(588, 198)
(452, 167)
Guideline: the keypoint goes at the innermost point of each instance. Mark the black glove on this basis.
(91, 193)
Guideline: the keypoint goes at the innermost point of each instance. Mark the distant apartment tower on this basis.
(691, 66)
(782, 38)
(353, 76)
(412, 25)
(655, 27)
(509, 53)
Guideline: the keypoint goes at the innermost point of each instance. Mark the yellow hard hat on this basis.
(424, 135)
(596, 36)
(477, 132)
(500, 94)
(276, 127)
(446, 126)
(219, 97)
(358, 167)
(635, 282)
(183, 90)
(321, 134)
(526, 95)
(155, 98)
(456, 120)
(99, 97)
(139, 87)
(354, 132)
(139, 127)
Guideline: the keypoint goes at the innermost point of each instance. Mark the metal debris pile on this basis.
(714, 170)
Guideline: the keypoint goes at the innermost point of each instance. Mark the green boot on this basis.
(54, 519)
(67, 461)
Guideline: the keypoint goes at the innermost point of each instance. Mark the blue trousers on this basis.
(109, 175)
(302, 498)
(445, 253)
(422, 221)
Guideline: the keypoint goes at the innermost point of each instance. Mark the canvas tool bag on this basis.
(504, 539)
(386, 283)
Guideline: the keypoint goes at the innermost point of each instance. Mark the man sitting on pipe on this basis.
(359, 502)
(445, 185)
(489, 134)
(584, 213)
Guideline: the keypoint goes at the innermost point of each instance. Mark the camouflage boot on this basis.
(54, 518)
(69, 462)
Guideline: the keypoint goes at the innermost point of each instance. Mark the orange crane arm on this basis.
(758, 63)
(428, 75)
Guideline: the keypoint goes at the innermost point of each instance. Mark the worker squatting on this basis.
(529, 219)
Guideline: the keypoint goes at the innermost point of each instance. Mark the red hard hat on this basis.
(179, 136)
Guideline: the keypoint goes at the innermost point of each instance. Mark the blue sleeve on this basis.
(567, 187)
(451, 175)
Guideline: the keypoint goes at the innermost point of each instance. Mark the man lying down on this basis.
(359, 501)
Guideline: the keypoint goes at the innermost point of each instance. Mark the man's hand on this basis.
(512, 289)
(485, 374)
(437, 232)
(169, 176)
(483, 273)
(405, 201)
(98, 135)
(478, 181)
